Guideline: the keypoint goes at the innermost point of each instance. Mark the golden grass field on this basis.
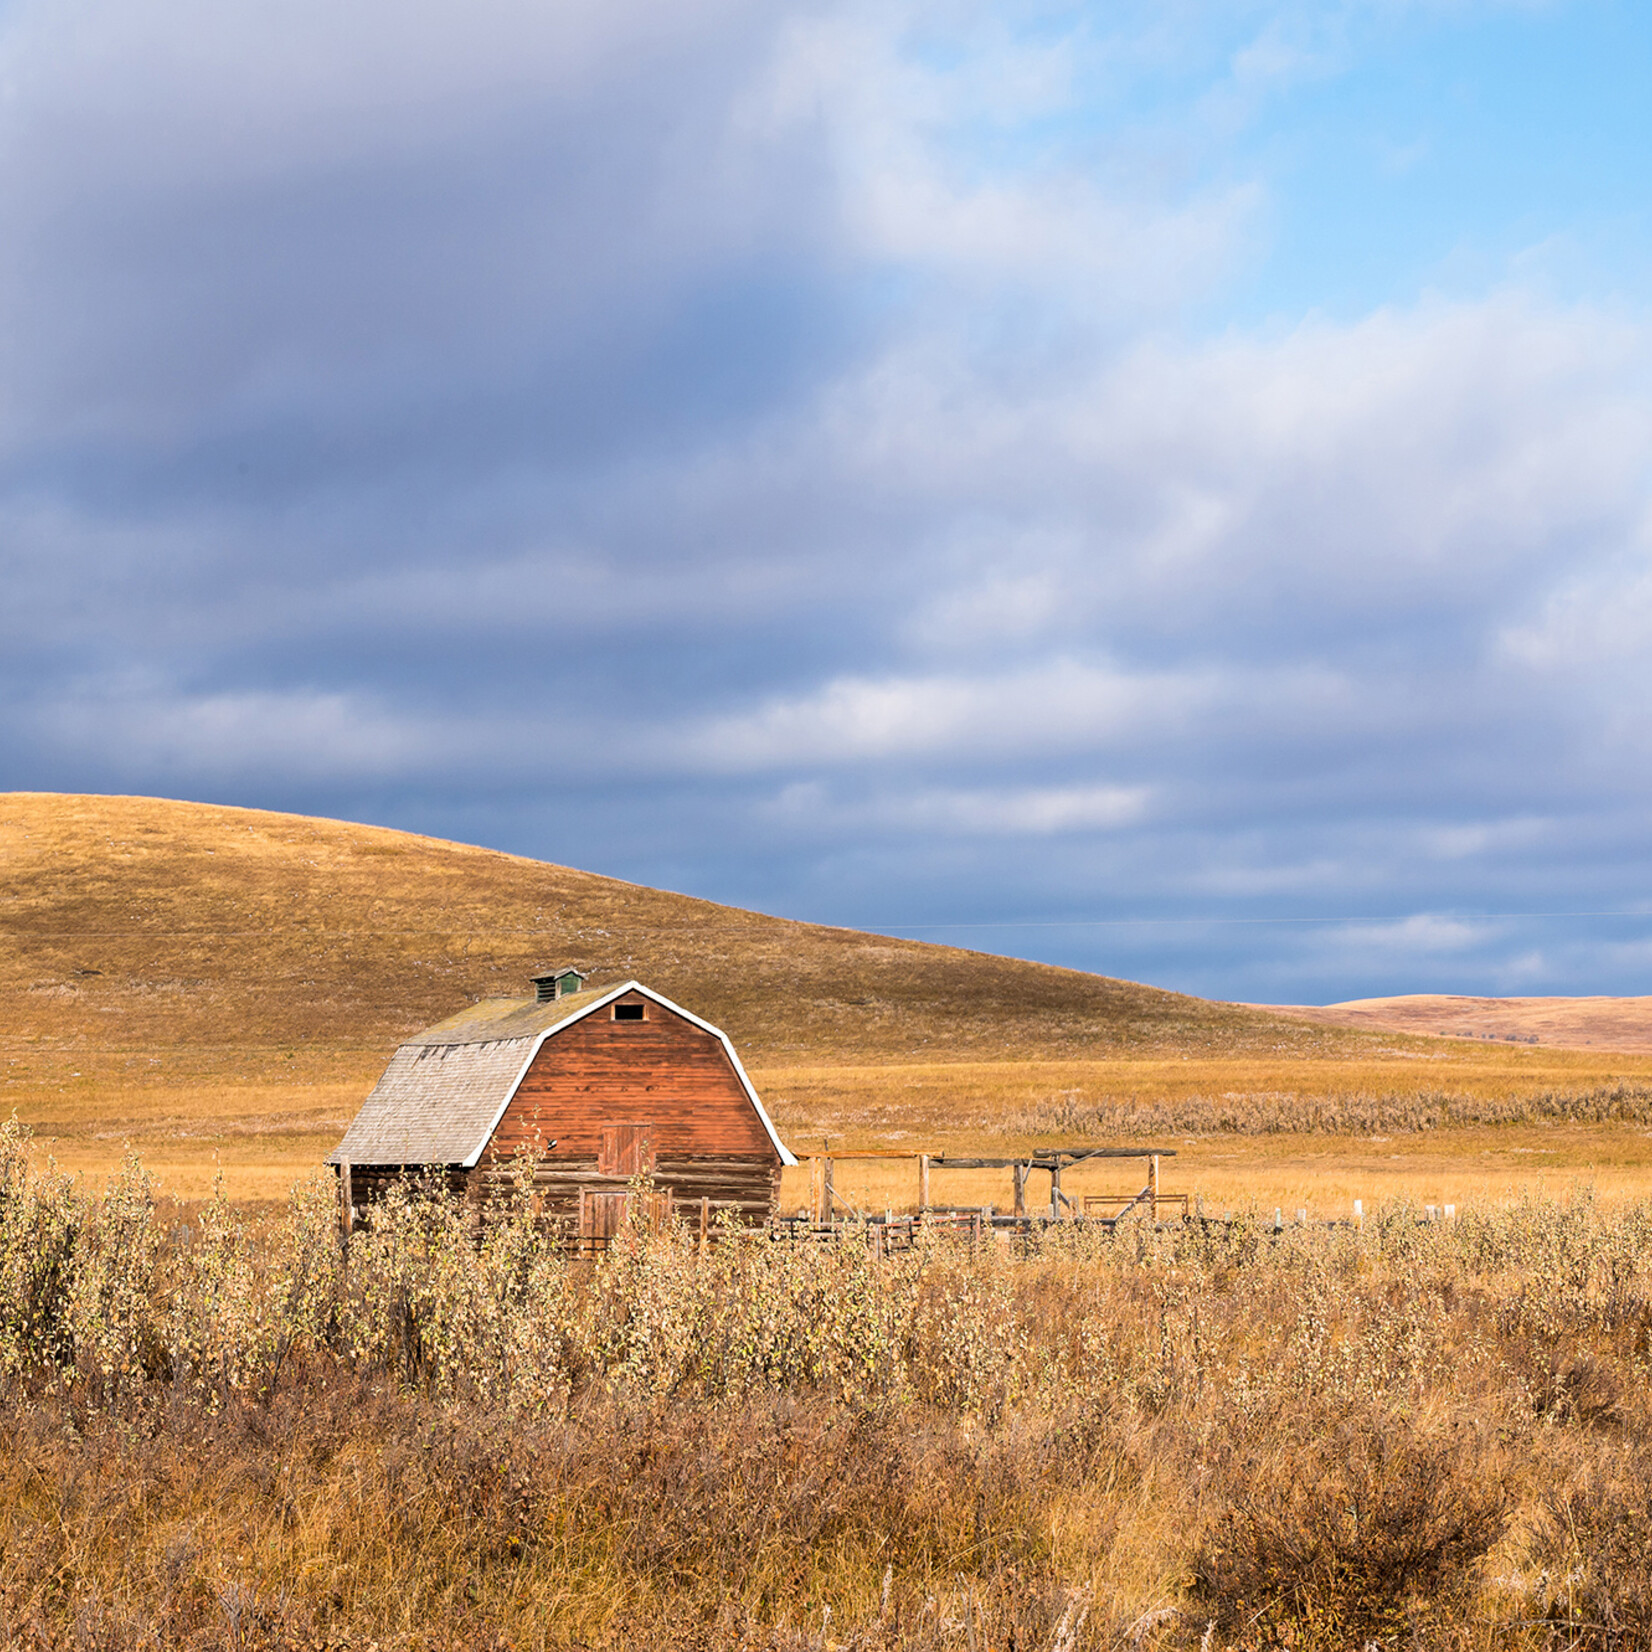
(220, 987)
(219, 1427)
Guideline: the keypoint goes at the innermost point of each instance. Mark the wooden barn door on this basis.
(627, 1150)
(601, 1216)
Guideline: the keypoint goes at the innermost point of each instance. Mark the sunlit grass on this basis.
(218, 1432)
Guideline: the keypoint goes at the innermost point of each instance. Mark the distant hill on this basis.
(1577, 1023)
(138, 923)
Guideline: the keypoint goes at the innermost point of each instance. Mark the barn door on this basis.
(627, 1150)
(601, 1216)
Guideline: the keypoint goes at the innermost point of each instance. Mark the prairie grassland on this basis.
(1400, 1086)
(1450, 1125)
(229, 1434)
(220, 987)
(1321, 1174)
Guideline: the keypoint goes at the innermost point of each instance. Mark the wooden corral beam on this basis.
(844, 1157)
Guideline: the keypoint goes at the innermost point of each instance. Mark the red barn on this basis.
(597, 1087)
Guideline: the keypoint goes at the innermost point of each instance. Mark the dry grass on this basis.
(175, 933)
(1314, 1134)
(1429, 1436)
(1385, 1088)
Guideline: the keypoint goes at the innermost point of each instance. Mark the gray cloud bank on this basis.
(666, 440)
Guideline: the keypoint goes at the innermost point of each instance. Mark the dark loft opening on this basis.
(628, 1012)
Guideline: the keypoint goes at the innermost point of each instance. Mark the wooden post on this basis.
(1018, 1173)
(705, 1222)
(828, 1193)
(346, 1197)
(1055, 1191)
(923, 1182)
(1154, 1183)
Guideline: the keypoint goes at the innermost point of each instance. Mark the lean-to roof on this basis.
(447, 1087)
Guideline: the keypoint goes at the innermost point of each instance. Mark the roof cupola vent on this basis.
(557, 983)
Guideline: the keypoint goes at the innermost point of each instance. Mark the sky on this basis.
(1159, 486)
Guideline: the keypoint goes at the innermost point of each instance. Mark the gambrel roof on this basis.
(446, 1088)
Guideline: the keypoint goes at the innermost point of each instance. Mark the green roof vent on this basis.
(558, 983)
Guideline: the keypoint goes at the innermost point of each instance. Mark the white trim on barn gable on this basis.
(787, 1157)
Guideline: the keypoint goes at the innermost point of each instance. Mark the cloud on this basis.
(1421, 933)
(798, 453)
(1035, 812)
(1064, 706)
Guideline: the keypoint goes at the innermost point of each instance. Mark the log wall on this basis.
(749, 1187)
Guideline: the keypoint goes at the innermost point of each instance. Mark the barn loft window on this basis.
(629, 1012)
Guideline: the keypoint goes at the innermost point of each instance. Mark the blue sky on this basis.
(1165, 488)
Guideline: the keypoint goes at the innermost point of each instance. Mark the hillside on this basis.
(1575, 1023)
(167, 927)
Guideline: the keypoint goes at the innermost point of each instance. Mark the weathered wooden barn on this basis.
(596, 1088)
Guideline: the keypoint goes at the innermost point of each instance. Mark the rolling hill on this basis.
(181, 929)
(1576, 1023)
(219, 988)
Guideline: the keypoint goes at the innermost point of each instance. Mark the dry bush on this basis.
(1593, 1589)
(346, 1509)
(1369, 1527)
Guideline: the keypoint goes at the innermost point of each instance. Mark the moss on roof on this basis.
(501, 1018)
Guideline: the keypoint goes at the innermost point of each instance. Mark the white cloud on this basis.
(1029, 812)
(1065, 706)
(1421, 935)
(148, 730)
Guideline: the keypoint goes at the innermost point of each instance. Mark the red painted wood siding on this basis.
(663, 1072)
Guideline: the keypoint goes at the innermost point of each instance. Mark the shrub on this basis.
(40, 1226)
(1366, 1527)
(1596, 1584)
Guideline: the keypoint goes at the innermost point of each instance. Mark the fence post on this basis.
(705, 1221)
(1155, 1184)
(923, 1182)
(1055, 1191)
(828, 1193)
(1020, 1173)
